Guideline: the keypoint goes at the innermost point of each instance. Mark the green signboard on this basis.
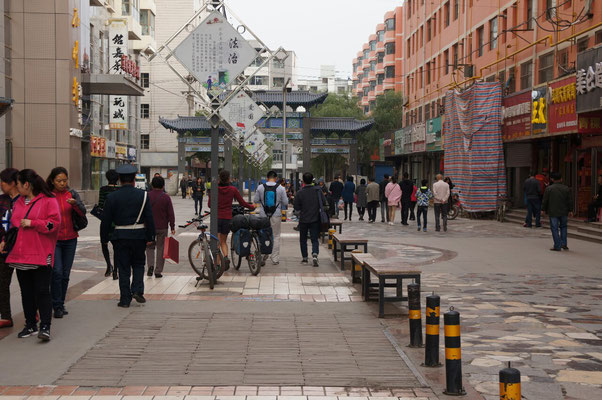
(433, 134)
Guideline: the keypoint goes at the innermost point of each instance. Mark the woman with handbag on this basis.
(198, 191)
(113, 179)
(35, 221)
(73, 214)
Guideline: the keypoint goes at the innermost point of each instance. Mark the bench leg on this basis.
(365, 247)
(343, 249)
(381, 297)
(334, 249)
(365, 283)
(399, 287)
(341, 229)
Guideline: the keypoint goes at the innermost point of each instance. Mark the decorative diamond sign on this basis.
(255, 140)
(241, 113)
(215, 53)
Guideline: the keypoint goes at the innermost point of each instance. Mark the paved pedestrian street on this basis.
(301, 333)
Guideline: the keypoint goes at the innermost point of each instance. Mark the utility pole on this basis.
(182, 139)
(284, 91)
(214, 176)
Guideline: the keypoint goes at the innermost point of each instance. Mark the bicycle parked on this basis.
(252, 239)
(200, 255)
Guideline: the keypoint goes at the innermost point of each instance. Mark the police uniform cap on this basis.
(126, 169)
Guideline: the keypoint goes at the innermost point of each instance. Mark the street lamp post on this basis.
(284, 91)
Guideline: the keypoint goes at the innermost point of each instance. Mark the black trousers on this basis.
(592, 211)
(130, 257)
(350, 205)
(6, 275)
(412, 208)
(405, 209)
(106, 254)
(372, 207)
(361, 211)
(35, 294)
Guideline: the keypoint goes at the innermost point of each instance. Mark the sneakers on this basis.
(226, 263)
(123, 305)
(27, 332)
(424, 230)
(65, 312)
(58, 313)
(158, 275)
(391, 223)
(565, 248)
(139, 298)
(315, 260)
(418, 228)
(150, 271)
(44, 334)
(304, 260)
(444, 228)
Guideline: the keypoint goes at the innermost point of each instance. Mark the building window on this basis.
(366, 91)
(366, 53)
(502, 77)
(380, 58)
(546, 67)
(372, 65)
(390, 72)
(433, 109)
(582, 44)
(456, 9)
(341, 90)
(257, 62)
(427, 112)
(493, 33)
(278, 82)
(147, 22)
(490, 78)
(278, 63)
(131, 7)
(372, 85)
(480, 40)
(145, 111)
(372, 45)
(446, 59)
(550, 9)
(313, 89)
(526, 70)
(325, 81)
(428, 30)
(419, 114)
(145, 79)
(599, 36)
(144, 142)
(390, 24)
(563, 62)
(455, 55)
(366, 109)
(380, 36)
(511, 82)
(529, 13)
(409, 9)
(258, 80)
(390, 48)
(380, 79)
(446, 14)
(428, 73)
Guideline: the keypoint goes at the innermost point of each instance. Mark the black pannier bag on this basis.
(266, 240)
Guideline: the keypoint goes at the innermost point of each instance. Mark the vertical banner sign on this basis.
(562, 114)
(419, 137)
(539, 111)
(118, 47)
(398, 142)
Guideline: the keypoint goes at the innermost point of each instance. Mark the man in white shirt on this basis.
(272, 198)
(441, 196)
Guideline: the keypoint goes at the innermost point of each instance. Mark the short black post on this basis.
(431, 350)
(453, 354)
(510, 384)
(415, 316)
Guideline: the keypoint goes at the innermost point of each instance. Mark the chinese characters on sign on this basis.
(119, 112)
(97, 146)
(419, 137)
(118, 48)
(589, 80)
(517, 116)
(215, 53)
(562, 114)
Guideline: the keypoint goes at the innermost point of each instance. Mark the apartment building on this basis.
(274, 74)
(533, 48)
(327, 81)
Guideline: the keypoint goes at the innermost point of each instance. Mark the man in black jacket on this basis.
(307, 205)
(336, 190)
(384, 206)
(533, 194)
(407, 187)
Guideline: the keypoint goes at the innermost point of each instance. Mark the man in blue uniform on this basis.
(129, 210)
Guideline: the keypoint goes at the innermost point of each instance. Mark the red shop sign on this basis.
(517, 116)
(130, 66)
(562, 114)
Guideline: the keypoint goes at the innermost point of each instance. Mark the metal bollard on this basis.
(510, 384)
(453, 354)
(331, 232)
(431, 350)
(283, 215)
(415, 316)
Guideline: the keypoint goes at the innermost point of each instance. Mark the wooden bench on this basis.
(345, 244)
(358, 258)
(336, 225)
(386, 271)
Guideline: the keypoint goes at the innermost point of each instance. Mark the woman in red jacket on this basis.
(69, 203)
(37, 215)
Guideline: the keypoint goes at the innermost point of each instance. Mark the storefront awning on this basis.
(5, 105)
(110, 84)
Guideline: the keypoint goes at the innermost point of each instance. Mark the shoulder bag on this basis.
(79, 221)
(324, 218)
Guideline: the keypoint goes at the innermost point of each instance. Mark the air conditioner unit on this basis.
(468, 71)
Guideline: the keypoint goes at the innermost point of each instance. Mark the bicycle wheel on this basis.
(453, 213)
(196, 257)
(210, 272)
(235, 258)
(255, 258)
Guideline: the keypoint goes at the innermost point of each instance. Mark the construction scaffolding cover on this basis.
(474, 152)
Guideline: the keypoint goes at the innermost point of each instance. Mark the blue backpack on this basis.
(270, 202)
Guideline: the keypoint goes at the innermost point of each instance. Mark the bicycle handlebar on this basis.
(192, 221)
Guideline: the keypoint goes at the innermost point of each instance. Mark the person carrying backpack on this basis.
(273, 199)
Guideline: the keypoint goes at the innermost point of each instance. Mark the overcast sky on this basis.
(319, 31)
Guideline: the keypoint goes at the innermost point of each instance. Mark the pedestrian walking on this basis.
(308, 202)
(423, 196)
(37, 216)
(113, 179)
(393, 196)
(10, 194)
(72, 208)
(336, 190)
(129, 210)
(183, 186)
(407, 188)
(362, 198)
(594, 207)
(384, 204)
(163, 216)
(441, 194)
(372, 197)
(413, 202)
(348, 196)
(450, 199)
(533, 194)
(558, 205)
(198, 191)
(273, 200)
(189, 183)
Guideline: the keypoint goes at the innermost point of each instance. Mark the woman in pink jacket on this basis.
(37, 215)
(393, 195)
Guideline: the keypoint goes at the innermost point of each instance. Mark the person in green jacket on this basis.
(558, 204)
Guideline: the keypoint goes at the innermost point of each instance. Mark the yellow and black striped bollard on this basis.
(415, 316)
(453, 354)
(283, 215)
(331, 232)
(510, 384)
(431, 349)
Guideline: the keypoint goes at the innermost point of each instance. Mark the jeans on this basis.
(422, 210)
(441, 212)
(198, 204)
(533, 209)
(372, 210)
(35, 294)
(64, 254)
(336, 206)
(558, 225)
(6, 275)
(350, 205)
(314, 232)
(384, 210)
(156, 262)
(130, 259)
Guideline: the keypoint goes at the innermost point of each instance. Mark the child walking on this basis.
(423, 195)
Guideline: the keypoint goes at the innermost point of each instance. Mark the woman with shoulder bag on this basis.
(37, 216)
(72, 211)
